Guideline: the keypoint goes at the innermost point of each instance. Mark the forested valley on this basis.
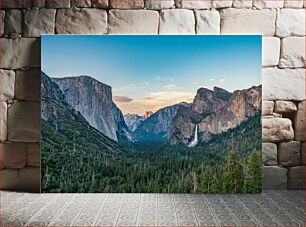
(75, 160)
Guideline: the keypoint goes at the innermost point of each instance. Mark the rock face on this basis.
(93, 100)
(215, 112)
(134, 120)
(157, 127)
(60, 116)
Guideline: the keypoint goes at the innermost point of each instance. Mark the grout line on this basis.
(81, 210)
(229, 210)
(249, 212)
(61, 210)
(136, 221)
(213, 214)
(194, 214)
(279, 207)
(40, 211)
(173, 201)
(119, 212)
(100, 213)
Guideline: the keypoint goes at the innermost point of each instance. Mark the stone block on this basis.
(126, 4)
(159, 4)
(13, 21)
(133, 21)
(192, 4)
(2, 15)
(80, 3)
(289, 153)
(56, 4)
(299, 122)
(285, 107)
(20, 53)
(303, 153)
(103, 4)
(293, 52)
(262, 4)
(24, 122)
(293, 4)
(267, 107)
(15, 4)
(39, 3)
(283, 84)
(13, 155)
(25, 180)
(177, 21)
(81, 21)
(27, 85)
(274, 177)
(277, 129)
(208, 22)
(221, 3)
(3, 121)
(33, 154)
(270, 51)
(38, 22)
(269, 154)
(296, 178)
(7, 85)
(248, 21)
(290, 22)
(242, 4)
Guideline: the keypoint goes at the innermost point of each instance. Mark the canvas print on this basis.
(151, 114)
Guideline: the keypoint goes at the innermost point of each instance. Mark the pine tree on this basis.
(207, 180)
(254, 172)
(232, 180)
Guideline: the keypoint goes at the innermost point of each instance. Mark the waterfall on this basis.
(195, 140)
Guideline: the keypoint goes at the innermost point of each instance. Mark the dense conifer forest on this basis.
(78, 159)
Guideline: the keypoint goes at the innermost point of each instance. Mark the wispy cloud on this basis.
(222, 81)
(170, 86)
(155, 101)
(122, 99)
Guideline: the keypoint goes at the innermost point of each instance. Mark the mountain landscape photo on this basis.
(117, 117)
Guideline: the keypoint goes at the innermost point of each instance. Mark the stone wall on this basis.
(281, 22)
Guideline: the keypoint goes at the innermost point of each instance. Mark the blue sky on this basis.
(151, 72)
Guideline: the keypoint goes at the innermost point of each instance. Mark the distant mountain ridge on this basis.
(134, 120)
(214, 112)
(157, 126)
(93, 100)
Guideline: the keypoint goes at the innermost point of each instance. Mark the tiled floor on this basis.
(271, 208)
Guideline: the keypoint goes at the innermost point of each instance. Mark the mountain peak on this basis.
(147, 114)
